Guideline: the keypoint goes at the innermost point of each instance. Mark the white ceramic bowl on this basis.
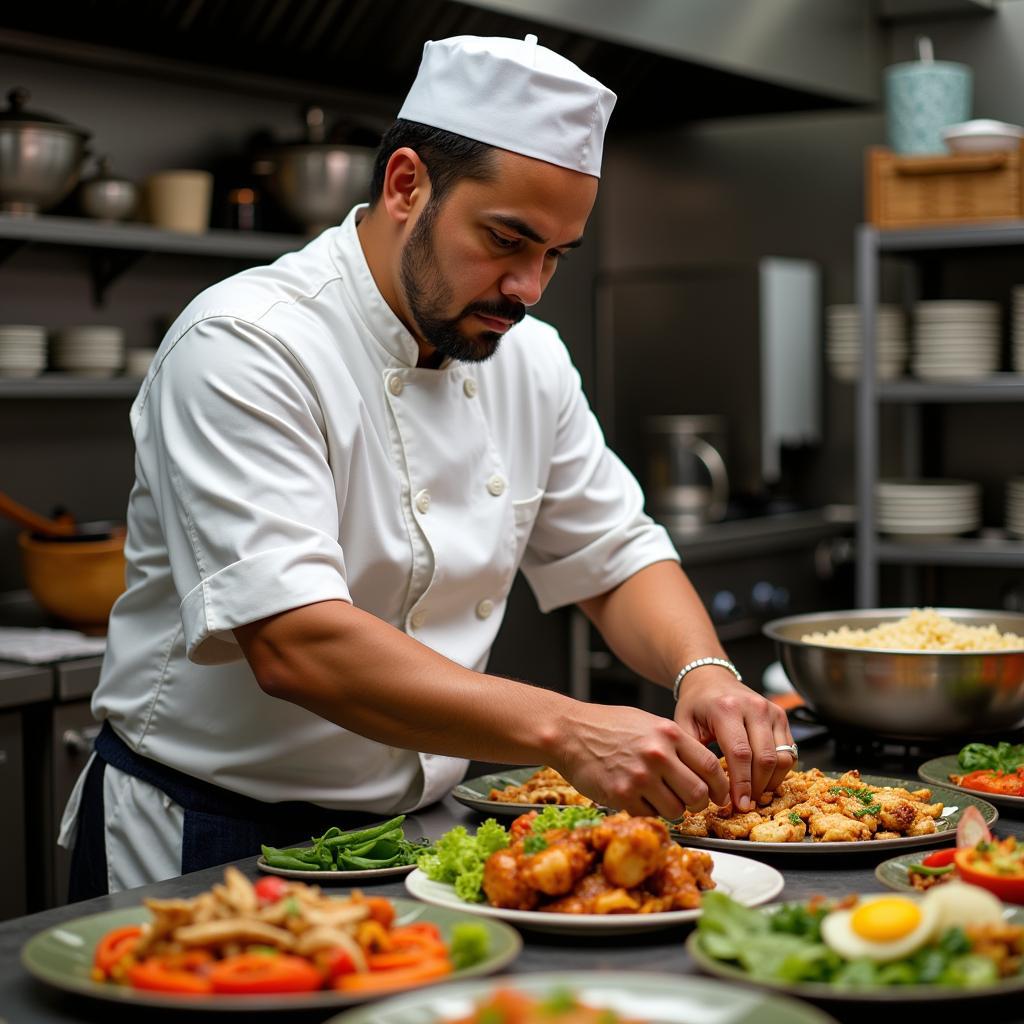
(982, 135)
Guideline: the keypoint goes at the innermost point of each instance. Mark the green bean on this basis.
(365, 863)
(347, 839)
(280, 859)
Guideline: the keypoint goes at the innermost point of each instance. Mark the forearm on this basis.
(655, 623)
(354, 669)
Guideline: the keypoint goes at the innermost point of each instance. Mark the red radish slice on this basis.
(972, 829)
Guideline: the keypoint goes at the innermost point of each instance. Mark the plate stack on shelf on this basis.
(843, 340)
(923, 510)
(1015, 506)
(956, 339)
(1018, 328)
(89, 351)
(22, 350)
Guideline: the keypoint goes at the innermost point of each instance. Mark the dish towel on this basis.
(39, 646)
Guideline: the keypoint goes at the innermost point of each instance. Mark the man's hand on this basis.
(630, 760)
(714, 705)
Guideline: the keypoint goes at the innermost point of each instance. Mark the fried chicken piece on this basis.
(891, 835)
(679, 880)
(922, 826)
(504, 882)
(694, 824)
(633, 848)
(781, 801)
(736, 827)
(837, 828)
(555, 870)
(779, 830)
(595, 895)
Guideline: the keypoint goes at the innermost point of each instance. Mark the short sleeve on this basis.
(230, 443)
(591, 532)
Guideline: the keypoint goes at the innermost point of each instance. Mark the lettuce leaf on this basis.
(458, 858)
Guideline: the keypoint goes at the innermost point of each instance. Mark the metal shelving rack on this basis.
(910, 395)
(113, 249)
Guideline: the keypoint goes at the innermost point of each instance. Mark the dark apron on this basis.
(220, 826)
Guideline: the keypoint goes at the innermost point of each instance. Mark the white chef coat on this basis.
(289, 451)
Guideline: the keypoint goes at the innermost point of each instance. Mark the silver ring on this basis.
(789, 748)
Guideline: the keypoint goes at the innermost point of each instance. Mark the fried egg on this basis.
(880, 928)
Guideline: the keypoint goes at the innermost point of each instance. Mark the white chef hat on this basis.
(514, 94)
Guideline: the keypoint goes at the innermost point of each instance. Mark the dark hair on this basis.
(449, 157)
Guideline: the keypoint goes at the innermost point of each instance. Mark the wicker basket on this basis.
(923, 191)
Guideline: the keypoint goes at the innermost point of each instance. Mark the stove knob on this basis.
(723, 606)
(766, 597)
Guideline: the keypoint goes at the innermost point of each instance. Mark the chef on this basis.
(342, 459)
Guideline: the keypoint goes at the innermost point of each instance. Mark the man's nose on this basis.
(525, 283)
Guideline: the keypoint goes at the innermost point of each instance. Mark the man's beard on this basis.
(428, 295)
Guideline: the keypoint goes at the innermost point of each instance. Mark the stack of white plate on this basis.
(22, 350)
(956, 339)
(89, 351)
(843, 341)
(1015, 506)
(1018, 328)
(927, 509)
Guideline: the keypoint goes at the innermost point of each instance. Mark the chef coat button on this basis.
(469, 386)
(395, 384)
(484, 608)
(417, 620)
(423, 502)
(496, 485)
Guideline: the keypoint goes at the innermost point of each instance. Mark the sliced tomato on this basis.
(940, 858)
(381, 909)
(262, 973)
(1007, 887)
(399, 977)
(972, 829)
(270, 888)
(176, 973)
(115, 945)
(337, 962)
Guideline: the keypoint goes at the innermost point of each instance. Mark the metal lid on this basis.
(104, 173)
(16, 114)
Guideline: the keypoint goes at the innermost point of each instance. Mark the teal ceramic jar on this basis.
(922, 98)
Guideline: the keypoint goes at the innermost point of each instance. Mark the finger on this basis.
(764, 757)
(665, 802)
(782, 735)
(697, 776)
(731, 736)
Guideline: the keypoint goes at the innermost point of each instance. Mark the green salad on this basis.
(874, 942)
(458, 858)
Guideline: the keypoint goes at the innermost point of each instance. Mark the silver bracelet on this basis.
(690, 666)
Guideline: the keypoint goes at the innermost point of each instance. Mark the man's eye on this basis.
(502, 242)
(559, 255)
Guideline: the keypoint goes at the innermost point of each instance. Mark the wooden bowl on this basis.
(75, 580)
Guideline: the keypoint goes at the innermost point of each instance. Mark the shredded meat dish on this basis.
(545, 786)
(619, 865)
(828, 810)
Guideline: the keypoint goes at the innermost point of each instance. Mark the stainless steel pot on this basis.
(40, 157)
(318, 182)
(908, 695)
(106, 196)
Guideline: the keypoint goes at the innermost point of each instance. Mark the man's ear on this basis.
(406, 184)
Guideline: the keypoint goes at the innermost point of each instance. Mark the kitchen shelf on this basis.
(67, 385)
(872, 551)
(18, 230)
(1000, 387)
(114, 247)
(966, 236)
(1001, 554)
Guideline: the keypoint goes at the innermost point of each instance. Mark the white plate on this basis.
(748, 881)
(335, 876)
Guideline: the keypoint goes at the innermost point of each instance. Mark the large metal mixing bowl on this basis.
(319, 184)
(40, 157)
(909, 695)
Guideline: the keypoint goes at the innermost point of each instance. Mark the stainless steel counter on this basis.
(24, 1000)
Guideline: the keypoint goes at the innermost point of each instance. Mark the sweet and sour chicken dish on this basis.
(618, 865)
(828, 810)
(545, 786)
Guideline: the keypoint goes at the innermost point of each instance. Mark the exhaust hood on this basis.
(670, 61)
